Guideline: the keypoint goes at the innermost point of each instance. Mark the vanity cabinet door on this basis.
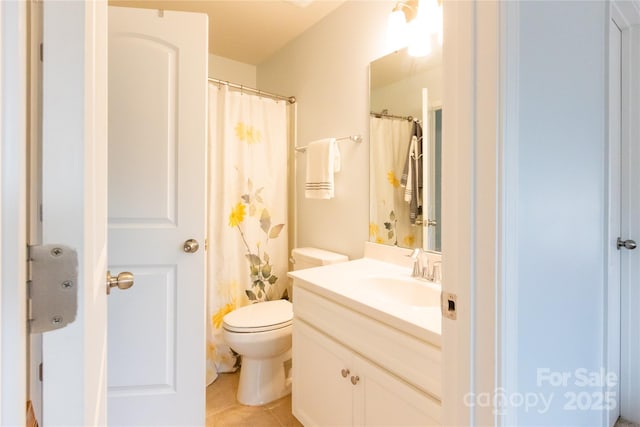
(382, 399)
(322, 392)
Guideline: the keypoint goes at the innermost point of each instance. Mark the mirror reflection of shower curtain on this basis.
(247, 256)
(389, 215)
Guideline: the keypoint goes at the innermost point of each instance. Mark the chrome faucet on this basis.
(418, 268)
(420, 264)
(422, 267)
(436, 272)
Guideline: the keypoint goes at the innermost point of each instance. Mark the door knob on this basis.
(354, 380)
(627, 244)
(191, 246)
(344, 373)
(123, 281)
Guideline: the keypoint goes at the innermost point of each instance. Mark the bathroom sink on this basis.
(403, 290)
(380, 290)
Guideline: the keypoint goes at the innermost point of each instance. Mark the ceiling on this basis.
(248, 31)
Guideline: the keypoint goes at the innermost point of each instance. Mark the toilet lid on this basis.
(262, 316)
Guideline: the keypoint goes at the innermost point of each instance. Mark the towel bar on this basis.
(354, 138)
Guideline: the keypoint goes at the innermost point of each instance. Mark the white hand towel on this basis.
(323, 160)
(337, 160)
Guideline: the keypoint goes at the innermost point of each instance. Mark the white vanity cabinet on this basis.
(322, 393)
(351, 369)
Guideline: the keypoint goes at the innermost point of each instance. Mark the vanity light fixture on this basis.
(398, 23)
(420, 31)
(408, 8)
(412, 23)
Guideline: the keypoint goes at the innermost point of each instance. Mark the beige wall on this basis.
(327, 70)
(232, 71)
(404, 98)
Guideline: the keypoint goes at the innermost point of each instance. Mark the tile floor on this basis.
(224, 410)
(624, 423)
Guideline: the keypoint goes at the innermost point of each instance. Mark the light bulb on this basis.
(420, 44)
(397, 31)
(420, 33)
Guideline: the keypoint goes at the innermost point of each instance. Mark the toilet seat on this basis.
(259, 317)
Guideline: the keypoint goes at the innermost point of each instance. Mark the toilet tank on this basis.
(314, 257)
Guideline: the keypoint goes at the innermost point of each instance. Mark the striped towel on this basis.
(323, 160)
(411, 178)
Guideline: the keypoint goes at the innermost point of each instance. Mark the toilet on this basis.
(261, 334)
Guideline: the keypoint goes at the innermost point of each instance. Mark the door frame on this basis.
(13, 212)
(473, 194)
(74, 153)
(612, 327)
(34, 185)
(624, 14)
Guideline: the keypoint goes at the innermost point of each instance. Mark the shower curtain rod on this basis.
(289, 99)
(391, 116)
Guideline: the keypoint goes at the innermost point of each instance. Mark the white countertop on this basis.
(345, 283)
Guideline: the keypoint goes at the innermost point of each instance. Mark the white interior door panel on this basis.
(157, 154)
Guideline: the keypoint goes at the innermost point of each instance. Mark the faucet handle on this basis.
(417, 262)
(436, 272)
(415, 253)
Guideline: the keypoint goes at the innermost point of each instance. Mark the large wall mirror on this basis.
(406, 139)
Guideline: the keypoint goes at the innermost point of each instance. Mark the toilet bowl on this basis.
(261, 334)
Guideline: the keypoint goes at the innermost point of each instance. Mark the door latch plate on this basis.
(53, 287)
(448, 307)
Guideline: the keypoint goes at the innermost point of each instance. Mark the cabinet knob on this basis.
(344, 373)
(354, 380)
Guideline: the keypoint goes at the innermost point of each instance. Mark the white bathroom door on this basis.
(157, 160)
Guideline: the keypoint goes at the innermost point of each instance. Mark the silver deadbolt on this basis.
(123, 281)
(627, 244)
(191, 246)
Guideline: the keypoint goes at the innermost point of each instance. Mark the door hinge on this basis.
(52, 287)
(448, 305)
(41, 52)
(40, 372)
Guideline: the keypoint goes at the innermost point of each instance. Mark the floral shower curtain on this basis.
(389, 213)
(247, 257)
